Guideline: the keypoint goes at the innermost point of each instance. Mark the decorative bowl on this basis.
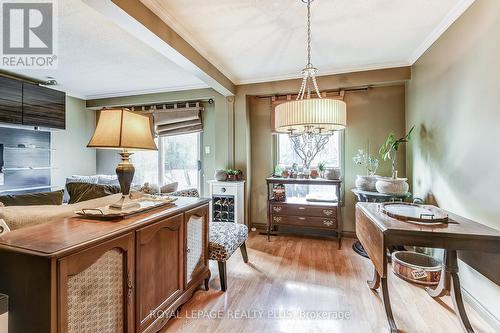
(394, 186)
(220, 175)
(416, 267)
(366, 183)
(332, 173)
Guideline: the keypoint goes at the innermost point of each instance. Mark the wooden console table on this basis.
(298, 212)
(369, 196)
(377, 232)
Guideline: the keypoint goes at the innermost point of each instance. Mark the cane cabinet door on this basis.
(160, 272)
(96, 288)
(196, 249)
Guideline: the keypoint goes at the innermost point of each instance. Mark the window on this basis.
(177, 160)
(181, 160)
(330, 155)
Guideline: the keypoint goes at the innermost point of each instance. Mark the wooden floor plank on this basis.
(292, 274)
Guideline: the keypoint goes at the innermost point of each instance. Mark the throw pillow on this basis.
(33, 199)
(79, 192)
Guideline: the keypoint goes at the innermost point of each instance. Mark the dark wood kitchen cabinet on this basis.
(43, 107)
(11, 101)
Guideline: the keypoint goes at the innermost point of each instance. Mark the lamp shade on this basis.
(310, 115)
(123, 129)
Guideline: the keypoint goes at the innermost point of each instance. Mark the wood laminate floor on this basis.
(291, 281)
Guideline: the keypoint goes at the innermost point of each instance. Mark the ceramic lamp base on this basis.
(125, 203)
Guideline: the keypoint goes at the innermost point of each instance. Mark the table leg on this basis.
(450, 282)
(387, 306)
(375, 282)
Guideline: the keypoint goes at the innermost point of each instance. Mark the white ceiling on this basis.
(261, 40)
(99, 59)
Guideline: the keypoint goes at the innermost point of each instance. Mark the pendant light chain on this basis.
(309, 72)
(309, 64)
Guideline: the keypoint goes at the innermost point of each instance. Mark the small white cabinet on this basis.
(228, 201)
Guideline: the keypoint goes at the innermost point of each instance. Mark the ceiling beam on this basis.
(137, 19)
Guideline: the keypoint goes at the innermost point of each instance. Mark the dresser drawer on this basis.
(304, 210)
(305, 221)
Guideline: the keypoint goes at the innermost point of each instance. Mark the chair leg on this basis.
(207, 287)
(243, 249)
(222, 275)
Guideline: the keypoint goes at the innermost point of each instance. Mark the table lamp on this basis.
(124, 130)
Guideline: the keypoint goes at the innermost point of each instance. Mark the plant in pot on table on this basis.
(389, 151)
(370, 163)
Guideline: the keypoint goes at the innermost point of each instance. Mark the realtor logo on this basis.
(28, 34)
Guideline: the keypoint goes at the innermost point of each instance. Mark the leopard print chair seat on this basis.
(224, 239)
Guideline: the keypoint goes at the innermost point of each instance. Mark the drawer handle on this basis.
(277, 219)
(302, 208)
(188, 250)
(277, 209)
(302, 218)
(327, 212)
(328, 223)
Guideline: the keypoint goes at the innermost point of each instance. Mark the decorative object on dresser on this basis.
(26, 103)
(333, 174)
(228, 201)
(321, 212)
(393, 185)
(224, 239)
(82, 276)
(124, 130)
(378, 231)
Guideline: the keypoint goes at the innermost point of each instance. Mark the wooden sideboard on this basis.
(128, 275)
(298, 212)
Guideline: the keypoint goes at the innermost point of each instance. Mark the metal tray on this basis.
(409, 212)
(146, 203)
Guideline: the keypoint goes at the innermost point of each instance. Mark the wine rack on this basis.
(223, 208)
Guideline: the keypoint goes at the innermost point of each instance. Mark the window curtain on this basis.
(178, 121)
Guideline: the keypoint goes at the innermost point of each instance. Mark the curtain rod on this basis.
(324, 91)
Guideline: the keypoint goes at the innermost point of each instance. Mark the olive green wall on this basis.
(371, 115)
(453, 99)
(71, 155)
(254, 167)
(217, 132)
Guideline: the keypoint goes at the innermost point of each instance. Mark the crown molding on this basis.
(344, 70)
(445, 23)
(147, 91)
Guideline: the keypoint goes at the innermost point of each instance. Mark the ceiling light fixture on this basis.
(307, 115)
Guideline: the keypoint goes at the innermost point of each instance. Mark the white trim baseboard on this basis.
(483, 312)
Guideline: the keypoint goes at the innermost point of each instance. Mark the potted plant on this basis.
(370, 164)
(389, 151)
(322, 169)
(232, 174)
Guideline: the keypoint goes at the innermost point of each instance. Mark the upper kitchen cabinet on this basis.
(43, 107)
(11, 101)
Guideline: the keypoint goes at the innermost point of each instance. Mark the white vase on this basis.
(393, 186)
(366, 183)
